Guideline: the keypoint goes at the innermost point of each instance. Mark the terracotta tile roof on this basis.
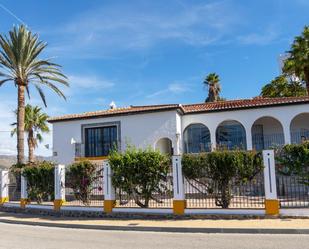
(188, 108)
(116, 111)
(243, 104)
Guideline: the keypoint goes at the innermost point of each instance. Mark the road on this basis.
(34, 237)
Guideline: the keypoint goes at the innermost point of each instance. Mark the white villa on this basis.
(257, 123)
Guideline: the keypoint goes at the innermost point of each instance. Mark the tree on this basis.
(281, 87)
(298, 62)
(35, 123)
(20, 64)
(212, 81)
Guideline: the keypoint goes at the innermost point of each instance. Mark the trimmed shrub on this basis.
(219, 170)
(140, 173)
(293, 159)
(81, 176)
(40, 181)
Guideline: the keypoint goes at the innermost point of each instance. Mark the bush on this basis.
(81, 177)
(219, 170)
(40, 180)
(140, 173)
(293, 159)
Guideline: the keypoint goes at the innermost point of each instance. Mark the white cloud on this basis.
(120, 27)
(89, 82)
(269, 35)
(175, 88)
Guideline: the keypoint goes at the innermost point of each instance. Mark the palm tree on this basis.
(19, 64)
(35, 123)
(298, 61)
(282, 87)
(212, 81)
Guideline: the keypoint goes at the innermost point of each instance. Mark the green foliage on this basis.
(35, 124)
(298, 61)
(81, 177)
(219, 170)
(212, 81)
(281, 87)
(140, 173)
(17, 168)
(293, 159)
(20, 63)
(40, 180)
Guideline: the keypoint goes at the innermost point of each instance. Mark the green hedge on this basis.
(293, 159)
(140, 173)
(81, 176)
(218, 170)
(40, 181)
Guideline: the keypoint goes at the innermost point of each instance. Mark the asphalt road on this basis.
(26, 237)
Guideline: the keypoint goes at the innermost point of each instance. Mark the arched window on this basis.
(267, 132)
(231, 135)
(299, 128)
(196, 139)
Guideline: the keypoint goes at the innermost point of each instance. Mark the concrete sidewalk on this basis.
(275, 225)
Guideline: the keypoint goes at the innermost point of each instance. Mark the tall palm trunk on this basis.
(31, 145)
(20, 123)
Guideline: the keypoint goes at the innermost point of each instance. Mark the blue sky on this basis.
(152, 52)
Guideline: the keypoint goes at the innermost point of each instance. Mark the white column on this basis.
(213, 138)
(178, 181)
(249, 138)
(270, 184)
(60, 182)
(4, 186)
(287, 134)
(109, 190)
(23, 188)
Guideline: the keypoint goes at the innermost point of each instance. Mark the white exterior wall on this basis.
(140, 130)
(144, 130)
(284, 114)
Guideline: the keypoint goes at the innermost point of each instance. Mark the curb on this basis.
(161, 229)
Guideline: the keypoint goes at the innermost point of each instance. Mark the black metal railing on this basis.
(164, 199)
(97, 192)
(206, 194)
(292, 191)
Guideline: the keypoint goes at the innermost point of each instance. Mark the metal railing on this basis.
(267, 141)
(97, 192)
(292, 191)
(204, 193)
(164, 199)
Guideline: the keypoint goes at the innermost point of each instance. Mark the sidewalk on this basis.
(286, 226)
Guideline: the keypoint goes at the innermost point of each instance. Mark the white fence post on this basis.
(179, 202)
(270, 184)
(4, 186)
(59, 187)
(109, 190)
(23, 192)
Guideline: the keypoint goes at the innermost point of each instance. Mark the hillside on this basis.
(7, 161)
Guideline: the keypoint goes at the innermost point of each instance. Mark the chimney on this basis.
(112, 105)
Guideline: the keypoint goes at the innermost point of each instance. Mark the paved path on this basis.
(32, 237)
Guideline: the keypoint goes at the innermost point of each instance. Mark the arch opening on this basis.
(231, 135)
(164, 145)
(299, 128)
(196, 139)
(267, 132)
